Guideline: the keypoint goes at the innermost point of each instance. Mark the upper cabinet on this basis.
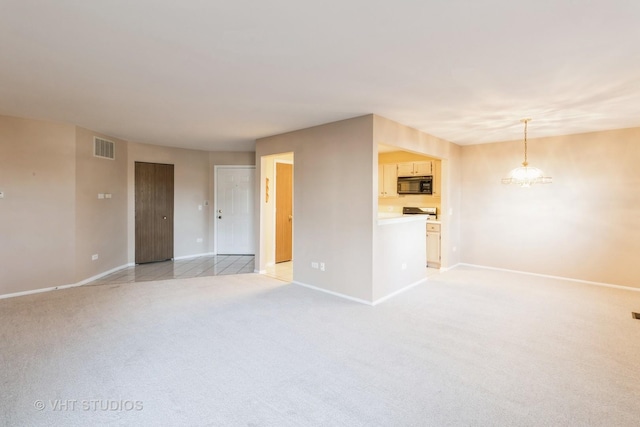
(387, 180)
(437, 179)
(415, 169)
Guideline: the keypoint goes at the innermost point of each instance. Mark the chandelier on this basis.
(526, 175)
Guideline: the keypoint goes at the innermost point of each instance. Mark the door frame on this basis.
(216, 168)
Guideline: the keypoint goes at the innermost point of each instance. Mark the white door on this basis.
(234, 210)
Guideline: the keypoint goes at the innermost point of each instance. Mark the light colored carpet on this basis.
(468, 347)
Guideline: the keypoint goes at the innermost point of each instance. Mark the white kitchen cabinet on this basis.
(387, 180)
(433, 245)
(415, 168)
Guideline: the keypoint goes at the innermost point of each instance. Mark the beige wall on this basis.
(37, 215)
(402, 156)
(583, 226)
(389, 132)
(333, 204)
(51, 220)
(336, 204)
(191, 189)
(400, 257)
(222, 158)
(194, 185)
(101, 224)
(452, 207)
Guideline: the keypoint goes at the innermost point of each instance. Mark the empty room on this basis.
(319, 213)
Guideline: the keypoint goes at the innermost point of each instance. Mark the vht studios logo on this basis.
(95, 405)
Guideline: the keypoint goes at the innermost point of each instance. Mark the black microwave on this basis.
(415, 185)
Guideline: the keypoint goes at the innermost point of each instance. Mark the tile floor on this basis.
(213, 265)
(181, 269)
(282, 271)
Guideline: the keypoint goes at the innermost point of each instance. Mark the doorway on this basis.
(154, 194)
(234, 210)
(277, 216)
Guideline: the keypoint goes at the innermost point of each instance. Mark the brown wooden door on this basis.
(154, 212)
(284, 212)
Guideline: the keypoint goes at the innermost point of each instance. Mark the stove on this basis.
(432, 212)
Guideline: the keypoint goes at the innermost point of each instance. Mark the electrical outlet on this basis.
(94, 257)
(314, 264)
(322, 266)
(404, 265)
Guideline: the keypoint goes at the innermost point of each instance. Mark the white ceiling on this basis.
(216, 75)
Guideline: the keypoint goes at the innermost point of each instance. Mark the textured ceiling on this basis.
(216, 75)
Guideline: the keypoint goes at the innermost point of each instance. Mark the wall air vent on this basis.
(104, 148)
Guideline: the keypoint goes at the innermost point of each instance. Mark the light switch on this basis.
(199, 207)
(100, 195)
(1, 194)
(107, 196)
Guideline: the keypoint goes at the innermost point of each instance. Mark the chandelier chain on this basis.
(525, 163)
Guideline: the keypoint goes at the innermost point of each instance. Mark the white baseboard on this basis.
(399, 291)
(98, 276)
(337, 294)
(193, 256)
(443, 269)
(260, 271)
(74, 285)
(36, 291)
(548, 276)
(361, 301)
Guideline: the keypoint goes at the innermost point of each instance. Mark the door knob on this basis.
(164, 217)
(220, 217)
(290, 217)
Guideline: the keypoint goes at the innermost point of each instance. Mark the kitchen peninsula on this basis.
(394, 164)
(401, 251)
(336, 200)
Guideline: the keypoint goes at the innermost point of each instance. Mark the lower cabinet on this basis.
(433, 245)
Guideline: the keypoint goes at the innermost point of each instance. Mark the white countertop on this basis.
(385, 218)
(382, 215)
